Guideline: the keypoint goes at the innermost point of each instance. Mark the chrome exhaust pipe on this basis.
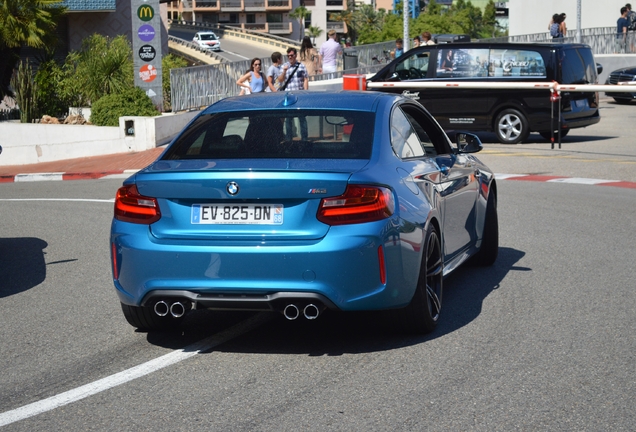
(177, 309)
(291, 312)
(162, 308)
(311, 311)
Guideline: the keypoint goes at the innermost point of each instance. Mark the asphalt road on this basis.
(231, 49)
(543, 340)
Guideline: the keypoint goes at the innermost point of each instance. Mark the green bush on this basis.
(133, 102)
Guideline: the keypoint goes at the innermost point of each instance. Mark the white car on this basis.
(207, 40)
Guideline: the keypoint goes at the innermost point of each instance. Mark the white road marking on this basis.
(38, 177)
(579, 180)
(123, 377)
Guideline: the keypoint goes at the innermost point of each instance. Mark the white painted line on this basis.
(123, 377)
(38, 177)
(116, 176)
(508, 176)
(579, 180)
(112, 200)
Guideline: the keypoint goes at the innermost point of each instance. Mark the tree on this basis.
(25, 22)
(301, 13)
(347, 18)
(313, 32)
(103, 66)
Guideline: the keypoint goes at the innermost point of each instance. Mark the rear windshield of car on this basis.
(314, 134)
(577, 66)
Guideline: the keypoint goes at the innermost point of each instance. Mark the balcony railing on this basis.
(278, 3)
(310, 2)
(231, 4)
(205, 4)
(337, 26)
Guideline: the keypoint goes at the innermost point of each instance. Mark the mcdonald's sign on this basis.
(145, 12)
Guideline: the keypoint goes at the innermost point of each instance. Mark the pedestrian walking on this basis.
(328, 54)
(309, 56)
(274, 72)
(254, 78)
(427, 38)
(416, 41)
(621, 31)
(294, 78)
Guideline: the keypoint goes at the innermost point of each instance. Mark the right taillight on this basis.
(358, 204)
(130, 206)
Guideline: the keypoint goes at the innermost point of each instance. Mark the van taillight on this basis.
(130, 206)
(357, 205)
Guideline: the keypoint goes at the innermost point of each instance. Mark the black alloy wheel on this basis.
(422, 314)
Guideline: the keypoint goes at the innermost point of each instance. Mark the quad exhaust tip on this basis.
(291, 312)
(310, 312)
(162, 308)
(177, 309)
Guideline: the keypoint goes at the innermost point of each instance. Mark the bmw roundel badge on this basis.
(232, 188)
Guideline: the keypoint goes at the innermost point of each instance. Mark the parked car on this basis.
(626, 74)
(301, 202)
(511, 114)
(207, 40)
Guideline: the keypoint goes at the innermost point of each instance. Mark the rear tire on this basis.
(489, 249)
(145, 319)
(511, 127)
(422, 314)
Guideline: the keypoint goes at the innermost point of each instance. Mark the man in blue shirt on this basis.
(621, 31)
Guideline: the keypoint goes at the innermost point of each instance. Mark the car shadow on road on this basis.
(22, 264)
(336, 334)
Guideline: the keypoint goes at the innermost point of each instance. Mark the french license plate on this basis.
(245, 214)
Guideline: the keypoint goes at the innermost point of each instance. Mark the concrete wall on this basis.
(528, 17)
(612, 62)
(32, 143)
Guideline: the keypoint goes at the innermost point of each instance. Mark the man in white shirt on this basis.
(328, 54)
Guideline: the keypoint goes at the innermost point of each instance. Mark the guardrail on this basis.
(223, 30)
(194, 46)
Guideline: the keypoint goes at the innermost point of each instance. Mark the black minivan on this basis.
(511, 114)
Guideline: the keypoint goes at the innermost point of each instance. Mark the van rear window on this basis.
(475, 62)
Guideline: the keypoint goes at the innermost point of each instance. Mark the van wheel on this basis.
(511, 127)
(546, 135)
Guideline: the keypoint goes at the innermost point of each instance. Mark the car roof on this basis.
(336, 100)
(206, 32)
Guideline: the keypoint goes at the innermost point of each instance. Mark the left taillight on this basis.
(130, 206)
(358, 204)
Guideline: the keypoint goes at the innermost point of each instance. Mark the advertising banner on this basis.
(146, 29)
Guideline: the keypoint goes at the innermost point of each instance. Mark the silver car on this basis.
(207, 40)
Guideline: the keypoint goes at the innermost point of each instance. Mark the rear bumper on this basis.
(341, 270)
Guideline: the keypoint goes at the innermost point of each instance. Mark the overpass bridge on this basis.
(259, 41)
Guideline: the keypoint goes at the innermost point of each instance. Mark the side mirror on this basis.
(468, 142)
(0, 149)
(599, 68)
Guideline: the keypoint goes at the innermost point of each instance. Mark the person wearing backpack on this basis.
(631, 18)
(555, 27)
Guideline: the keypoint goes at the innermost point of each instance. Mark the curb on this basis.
(60, 176)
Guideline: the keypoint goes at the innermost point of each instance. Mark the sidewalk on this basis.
(80, 168)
